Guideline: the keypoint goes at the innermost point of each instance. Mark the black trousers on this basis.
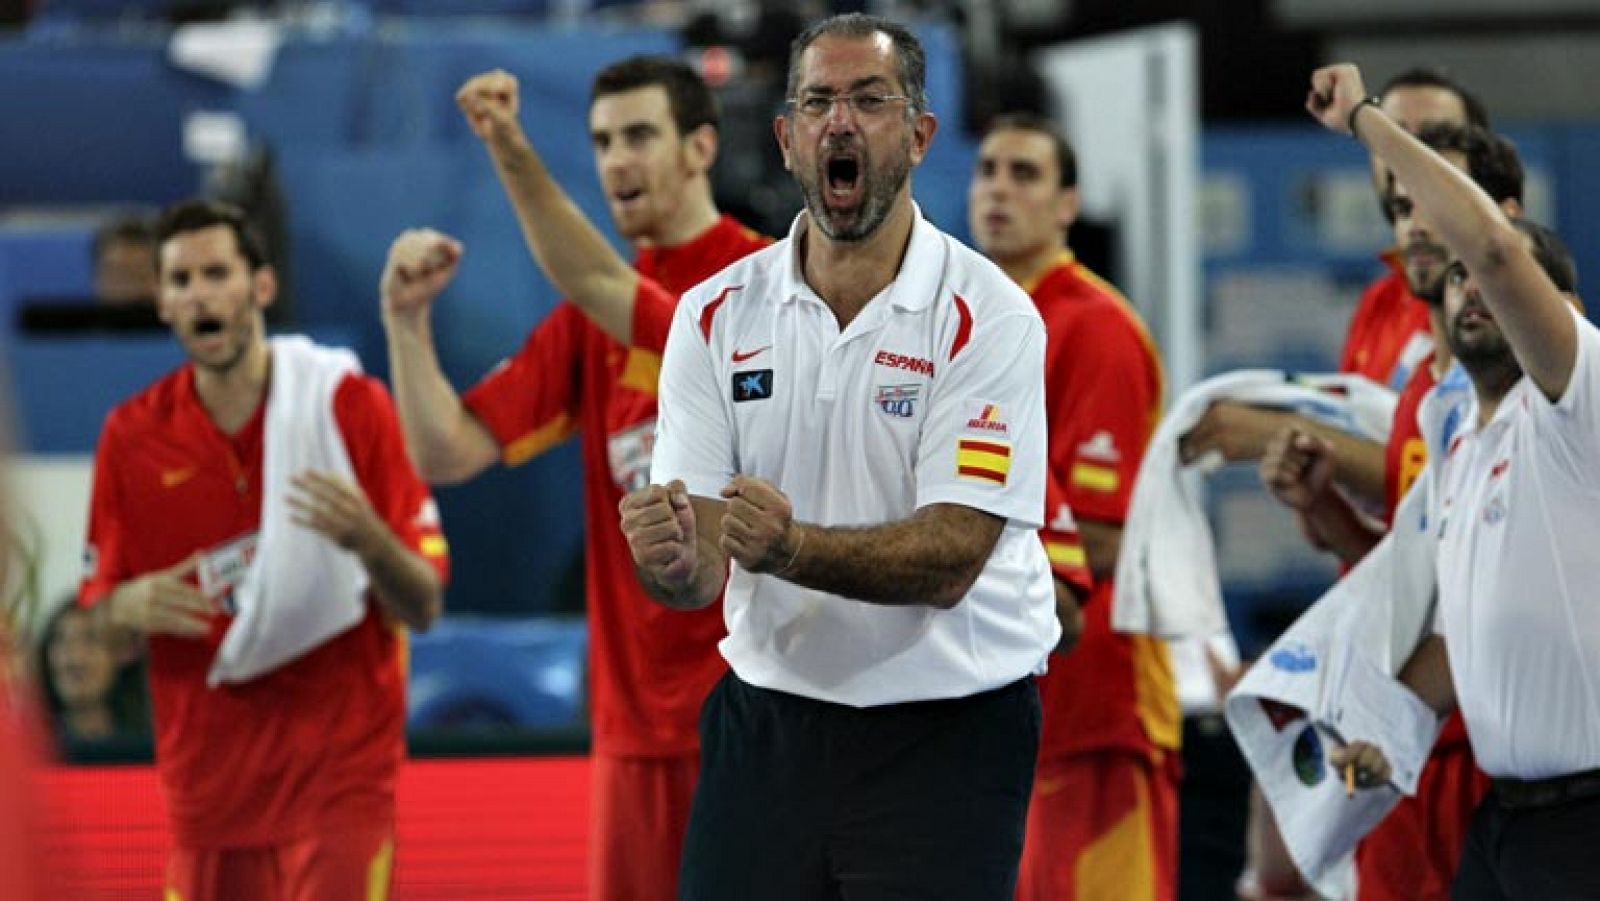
(801, 800)
(1549, 853)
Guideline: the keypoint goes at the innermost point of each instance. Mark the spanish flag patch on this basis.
(983, 460)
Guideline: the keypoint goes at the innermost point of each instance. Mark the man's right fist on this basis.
(421, 262)
(659, 524)
(489, 102)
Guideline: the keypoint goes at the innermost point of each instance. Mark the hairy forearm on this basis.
(1333, 524)
(446, 443)
(575, 256)
(931, 558)
(405, 584)
(1358, 464)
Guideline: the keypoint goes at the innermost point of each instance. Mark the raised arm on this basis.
(447, 443)
(1529, 309)
(573, 254)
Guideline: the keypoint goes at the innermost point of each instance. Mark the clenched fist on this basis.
(490, 102)
(421, 263)
(659, 523)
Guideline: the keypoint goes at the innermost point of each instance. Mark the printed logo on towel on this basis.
(988, 420)
(1294, 657)
(752, 385)
(983, 460)
(1310, 762)
(222, 569)
(628, 452)
(898, 400)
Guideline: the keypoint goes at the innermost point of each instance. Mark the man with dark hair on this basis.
(1516, 629)
(123, 253)
(1414, 853)
(255, 515)
(1108, 752)
(1389, 331)
(852, 441)
(591, 366)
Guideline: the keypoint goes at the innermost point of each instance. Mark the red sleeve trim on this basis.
(710, 312)
(964, 330)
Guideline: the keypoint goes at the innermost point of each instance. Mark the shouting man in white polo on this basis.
(852, 425)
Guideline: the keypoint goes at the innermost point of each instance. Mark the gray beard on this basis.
(865, 219)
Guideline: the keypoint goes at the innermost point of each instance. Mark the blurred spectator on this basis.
(92, 677)
(124, 257)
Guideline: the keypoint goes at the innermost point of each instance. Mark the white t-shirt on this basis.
(1519, 575)
(933, 394)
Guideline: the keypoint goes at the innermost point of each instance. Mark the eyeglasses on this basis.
(868, 105)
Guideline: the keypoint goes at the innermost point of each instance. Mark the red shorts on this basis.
(1102, 826)
(639, 815)
(1412, 855)
(333, 866)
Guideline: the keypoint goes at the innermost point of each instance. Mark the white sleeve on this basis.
(983, 444)
(1574, 417)
(694, 434)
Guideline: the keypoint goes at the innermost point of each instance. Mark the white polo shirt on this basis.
(1519, 575)
(933, 394)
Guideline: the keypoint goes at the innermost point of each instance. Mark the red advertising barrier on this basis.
(489, 828)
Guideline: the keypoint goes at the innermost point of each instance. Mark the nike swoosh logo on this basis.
(172, 478)
(741, 357)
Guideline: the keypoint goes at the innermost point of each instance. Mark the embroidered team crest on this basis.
(898, 400)
(752, 385)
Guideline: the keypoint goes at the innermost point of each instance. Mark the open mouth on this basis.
(628, 196)
(843, 173)
(207, 325)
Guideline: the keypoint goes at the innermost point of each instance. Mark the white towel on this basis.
(300, 589)
(1329, 679)
(1167, 583)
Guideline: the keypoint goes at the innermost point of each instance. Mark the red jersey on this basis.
(1103, 387)
(1389, 331)
(311, 746)
(1406, 453)
(650, 667)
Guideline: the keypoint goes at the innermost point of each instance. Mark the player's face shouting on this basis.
(644, 166)
(210, 297)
